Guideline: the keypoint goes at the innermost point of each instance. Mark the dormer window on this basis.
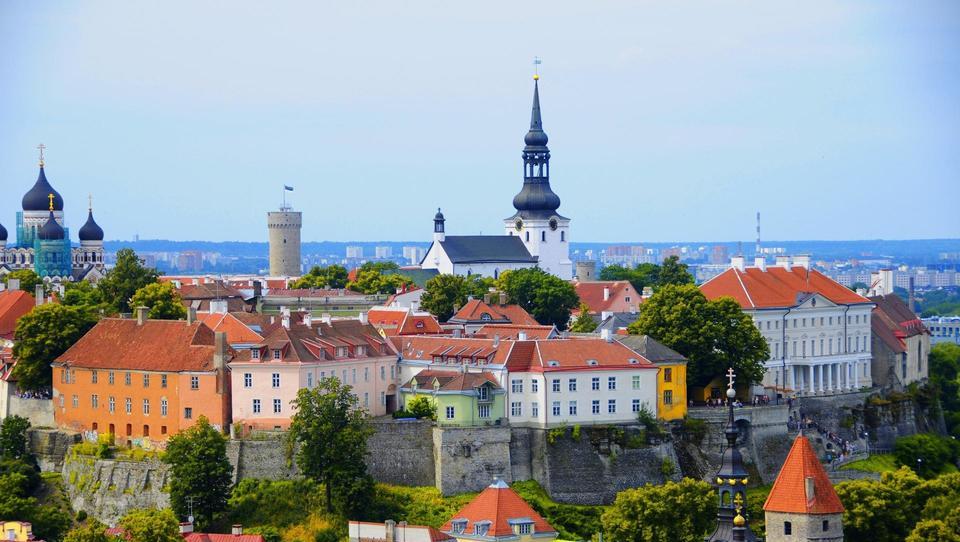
(276, 353)
(458, 525)
(481, 528)
(486, 317)
(255, 353)
(553, 363)
(419, 324)
(522, 527)
(361, 350)
(592, 362)
(634, 361)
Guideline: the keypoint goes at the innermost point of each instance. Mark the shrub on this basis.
(927, 454)
(667, 467)
(555, 434)
(575, 433)
(422, 407)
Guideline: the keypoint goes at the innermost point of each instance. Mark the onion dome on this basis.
(439, 215)
(90, 230)
(3, 233)
(38, 198)
(51, 230)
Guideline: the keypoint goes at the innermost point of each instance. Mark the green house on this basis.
(463, 399)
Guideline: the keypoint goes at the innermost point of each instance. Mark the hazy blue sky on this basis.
(667, 120)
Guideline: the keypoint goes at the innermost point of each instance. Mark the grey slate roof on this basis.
(649, 348)
(614, 322)
(486, 248)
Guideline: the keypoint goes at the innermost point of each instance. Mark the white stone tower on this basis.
(284, 226)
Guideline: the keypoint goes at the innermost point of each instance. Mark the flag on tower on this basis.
(288, 188)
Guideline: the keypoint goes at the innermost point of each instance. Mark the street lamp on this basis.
(919, 462)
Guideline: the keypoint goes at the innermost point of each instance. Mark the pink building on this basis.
(298, 354)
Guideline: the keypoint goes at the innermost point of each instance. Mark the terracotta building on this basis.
(142, 380)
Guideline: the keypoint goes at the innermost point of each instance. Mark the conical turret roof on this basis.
(792, 493)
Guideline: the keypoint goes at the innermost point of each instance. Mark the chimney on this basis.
(218, 306)
(605, 335)
(390, 528)
(38, 294)
(457, 333)
(13, 284)
(257, 289)
(496, 341)
(605, 315)
(364, 319)
(760, 263)
(308, 319)
(142, 315)
(487, 298)
(326, 318)
(809, 488)
(191, 315)
(285, 321)
(522, 336)
(236, 529)
(647, 292)
(503, 298)
(802, 261)
(911, 301)
(186, 527)
(220, 360)
(606, 294)
(738, 263)
(784, 262)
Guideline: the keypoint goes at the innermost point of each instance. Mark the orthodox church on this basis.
(43, 243)
(536, 235)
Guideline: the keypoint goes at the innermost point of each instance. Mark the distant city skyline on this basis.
(835, 121)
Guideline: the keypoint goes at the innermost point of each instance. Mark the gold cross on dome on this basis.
(50, 197)
(41, 147)
(730, 378)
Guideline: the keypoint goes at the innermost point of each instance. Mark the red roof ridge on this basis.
(790, 492)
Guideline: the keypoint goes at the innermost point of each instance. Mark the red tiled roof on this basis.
(157, 345)
(498, 504)
(310, 292)
(574, 354)
(510, 332)
(209, 290)
(893, 321)
(13, 305)
(402, 321)
(452, 380)
(789, 490)
(777, 287)
(318, 342)
(424, 348)
(236, 330)
(475, 309)
(420, 324)
(591, 293)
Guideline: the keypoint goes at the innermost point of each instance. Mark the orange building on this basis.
(142, 380)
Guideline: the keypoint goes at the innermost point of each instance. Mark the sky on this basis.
(668, 121)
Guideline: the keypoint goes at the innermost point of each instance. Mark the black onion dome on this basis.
(439, 215)
(536, 199)
(51, 231)
(38, 198)
(536, 196)
(3, 233)
(91, 231)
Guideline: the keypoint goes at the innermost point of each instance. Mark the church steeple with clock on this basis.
(544, 232)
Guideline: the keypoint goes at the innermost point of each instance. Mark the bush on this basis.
(422, 407)
(695, 429)
(556, 434)
(927, 454)
(575, 433)
(667, 468)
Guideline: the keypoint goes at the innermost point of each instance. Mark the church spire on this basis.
(731, 483)
(536, 199)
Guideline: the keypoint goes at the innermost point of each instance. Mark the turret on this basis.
(438, 227)
(536, 199)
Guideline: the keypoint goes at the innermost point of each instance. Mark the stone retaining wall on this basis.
(107, 489)
(38, 411)
(51, 446)
(469, 458)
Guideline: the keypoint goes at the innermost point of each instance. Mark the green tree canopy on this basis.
(674, 272)
(713, 335)
(151, 525)
(18, 481)
(944, 370)
(92, 531)
(127, 276)
(548, 298)
(333, 276)
(27, 277)
(675, 511)
(443, 293)
(933, 530)
(85, 295)
(583, 323)
(13, 437)
(378, 278)
(927, 454)
(641, 276)
(41, 336)
(199, 469)
(332, 431)
(162, 299)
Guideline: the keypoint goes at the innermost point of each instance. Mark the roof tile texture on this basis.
(789, 490)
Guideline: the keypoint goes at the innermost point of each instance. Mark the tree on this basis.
(676, 511)
(162, 299)
(92, 531)
(378, 278)
(548, 298)
(927, 454)
(13, 437)
(944, 370)
(583, 323)
(17, 481)
(882, 510)
(85, 295)
(422, 407)
(933, 530)
(28, 279)
(151, 525)
(41, 336)
(199, 470)
(444, 293)
(127, 276)
(673, 272)
(333, 276)
(332, 431)
(713, 335)
(641, 276)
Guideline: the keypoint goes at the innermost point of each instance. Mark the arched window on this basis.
(787, 527)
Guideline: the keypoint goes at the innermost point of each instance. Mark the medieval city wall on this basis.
(38, 411)
(50, 446)
(108, 488)
(469, 458)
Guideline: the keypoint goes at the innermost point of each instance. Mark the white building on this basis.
(354, 252)
(535, 235)
(818, 331)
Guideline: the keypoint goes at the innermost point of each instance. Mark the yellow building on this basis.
(671, 378)
(20, 531)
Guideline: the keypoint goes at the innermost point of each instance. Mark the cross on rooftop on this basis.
(730, 378)
(50, 197)
(41, 147)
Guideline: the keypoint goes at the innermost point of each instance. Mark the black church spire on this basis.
(731, 482)
(536, 199)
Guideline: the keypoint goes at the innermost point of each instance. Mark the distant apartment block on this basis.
(383, 253)
(943, 329)
(354, 252)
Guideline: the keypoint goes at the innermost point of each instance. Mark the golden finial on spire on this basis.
(50, 197)
(739, 520)
(41, 147)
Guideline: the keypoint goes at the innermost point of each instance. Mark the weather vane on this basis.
(41, 147)
(536, 67)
